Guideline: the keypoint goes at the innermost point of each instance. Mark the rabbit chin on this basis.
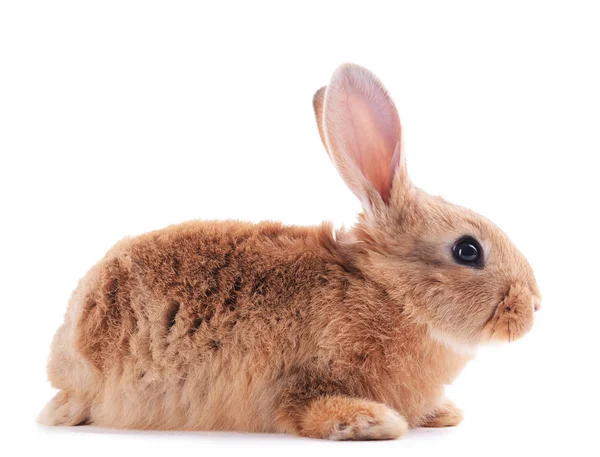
(511, 320)
(504, 327)
(451, 342)
(513, 317)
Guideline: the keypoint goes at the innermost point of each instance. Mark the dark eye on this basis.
(467, 251)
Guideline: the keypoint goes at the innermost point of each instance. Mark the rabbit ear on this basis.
(318, 100)
(362, 132)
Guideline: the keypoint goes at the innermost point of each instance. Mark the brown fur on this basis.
(267, 328)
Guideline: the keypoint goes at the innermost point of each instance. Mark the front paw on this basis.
(446, 415)
(344, 418)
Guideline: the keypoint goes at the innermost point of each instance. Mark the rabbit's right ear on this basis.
(361, 130)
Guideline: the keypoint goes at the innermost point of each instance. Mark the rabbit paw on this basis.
(446, 415)
(65, 409)
(345, 418)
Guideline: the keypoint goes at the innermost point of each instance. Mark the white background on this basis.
(121, 117)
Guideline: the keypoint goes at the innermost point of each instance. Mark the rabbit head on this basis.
(449, 267)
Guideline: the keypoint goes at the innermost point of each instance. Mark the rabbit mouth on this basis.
(513, 316)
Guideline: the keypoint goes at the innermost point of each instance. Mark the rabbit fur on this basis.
(323, 333)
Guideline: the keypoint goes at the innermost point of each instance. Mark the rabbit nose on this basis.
(536, 306)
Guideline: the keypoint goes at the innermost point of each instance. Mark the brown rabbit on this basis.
(267, 328)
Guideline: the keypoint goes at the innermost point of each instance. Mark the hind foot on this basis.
(65, 409)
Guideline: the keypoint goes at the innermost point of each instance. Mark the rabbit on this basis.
(348, 334)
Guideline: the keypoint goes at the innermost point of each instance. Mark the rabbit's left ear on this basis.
(360, 126)
(318, 100)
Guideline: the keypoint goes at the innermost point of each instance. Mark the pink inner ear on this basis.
(365, 127)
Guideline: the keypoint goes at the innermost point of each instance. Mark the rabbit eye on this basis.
(468, 251)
